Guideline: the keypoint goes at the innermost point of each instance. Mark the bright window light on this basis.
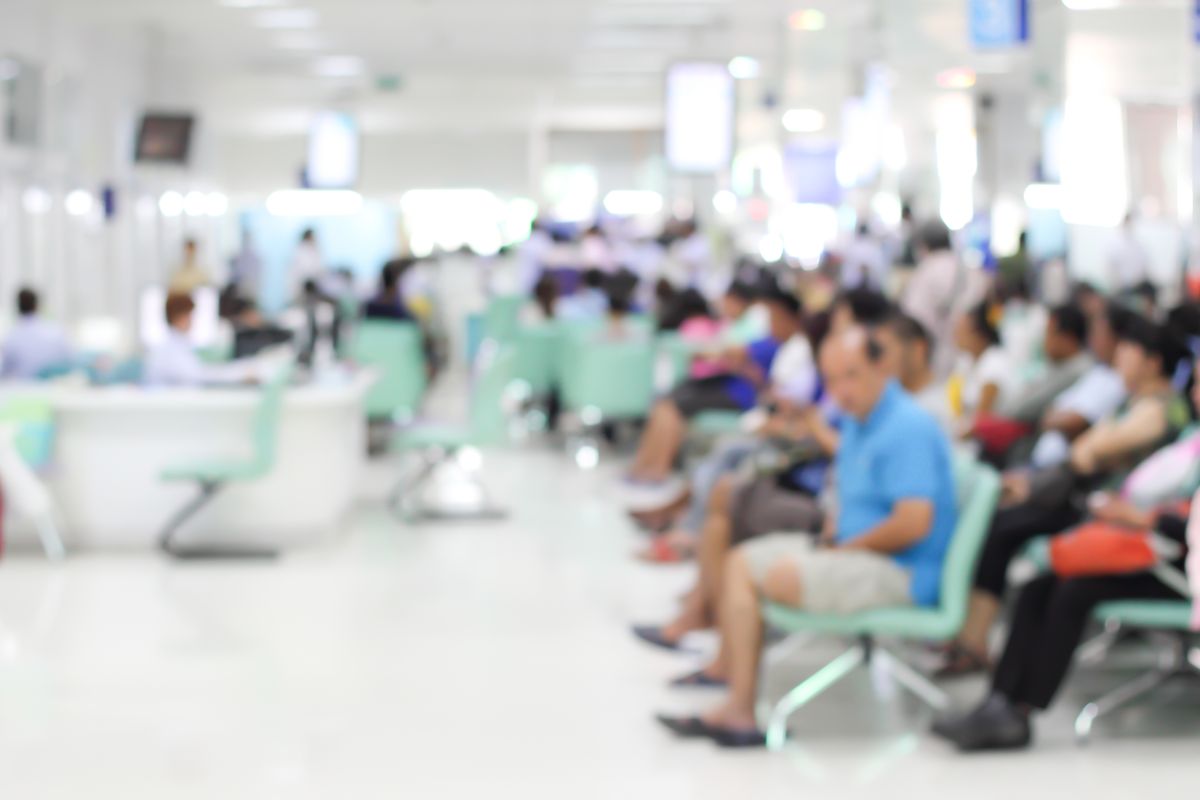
(771, 248)
(79, 203)
(171, 204)
(294, 18)
(1044, 196)
(216, 204)
(743, 67)
(805, 230)
(314, 203)
(571, 190)
(518, 220)
(803, 120)
(725, 202)
(195, 204)
(887, 207)
(957, 162)
(956, 78)
(895, 151)
(632, 203)
(807, 19)
(453, 218)
(1094, 182)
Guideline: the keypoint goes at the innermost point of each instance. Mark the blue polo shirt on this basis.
(742, 391)
(898, 452)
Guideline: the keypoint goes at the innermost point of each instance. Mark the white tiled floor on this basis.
(479, 660)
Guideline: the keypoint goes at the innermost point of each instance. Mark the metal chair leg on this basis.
(1121, 696)
(52, 542)
(166, 540)
(811, 688)
(407, 486)
(912, 680)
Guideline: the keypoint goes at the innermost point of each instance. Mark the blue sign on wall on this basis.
(999, 23)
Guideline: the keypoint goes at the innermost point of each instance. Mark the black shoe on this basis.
(949, 726)
(684, 727)
(995, 725)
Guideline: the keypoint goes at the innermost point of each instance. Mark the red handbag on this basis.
(997, 434)
(1102, 548)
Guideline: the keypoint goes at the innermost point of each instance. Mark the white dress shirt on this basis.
(33, 345)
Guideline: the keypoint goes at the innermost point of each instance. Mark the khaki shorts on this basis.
(832, 581)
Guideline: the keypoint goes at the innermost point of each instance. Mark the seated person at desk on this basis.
(33, 345)
(174, 362)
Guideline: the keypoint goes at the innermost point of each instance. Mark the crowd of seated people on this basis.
(836, 492)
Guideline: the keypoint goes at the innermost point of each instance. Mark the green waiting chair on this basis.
(437, 443)
(26, 446)
(1172, 617)
(537, 349)
(978, 489)
(394, 350)
(212, 476)
(501, 318)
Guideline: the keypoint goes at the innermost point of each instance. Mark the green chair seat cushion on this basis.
(716, 423)
(931, 624)
(1163, 614)
(214, 471)
(427, 436)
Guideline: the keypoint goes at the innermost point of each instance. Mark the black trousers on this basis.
(1049, 620)
(1012, 529)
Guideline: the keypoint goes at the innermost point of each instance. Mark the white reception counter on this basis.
(112, 444)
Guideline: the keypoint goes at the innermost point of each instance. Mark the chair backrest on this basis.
(266, 418)
(34, 423)
(489, 413)
(614, 378)
(537, 357)
(978, 491)
(500, 320)
(394, 350)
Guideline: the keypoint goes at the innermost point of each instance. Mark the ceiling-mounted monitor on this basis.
(164, 138)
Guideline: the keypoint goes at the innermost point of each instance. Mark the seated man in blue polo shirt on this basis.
(883, 546)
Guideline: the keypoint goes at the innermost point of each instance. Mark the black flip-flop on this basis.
(653, 634)
(684, 727)
(697, 728)
(699, 680)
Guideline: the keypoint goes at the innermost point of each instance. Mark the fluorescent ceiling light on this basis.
(195, 204)
(743, 67)
(632, 203)
(339, 67)
(725, 202)
(807, 19)
(956, 78)
(803, 120)
(314, 203)
(216, 204)
(287, 18)
(301, 40)
(78, 203)
(171, 204)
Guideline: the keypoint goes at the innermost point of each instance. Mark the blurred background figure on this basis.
(191, 274)
(34, 345)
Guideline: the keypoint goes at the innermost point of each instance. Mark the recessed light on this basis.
(803, 120)
(286, 18)
(743, 67)
(807, 19)
(339, 66)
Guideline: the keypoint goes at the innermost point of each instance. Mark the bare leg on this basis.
(741, 647)
(982, 611)
(650, 439)
(671, 429)
(714, 542)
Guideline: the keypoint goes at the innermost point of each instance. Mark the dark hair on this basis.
(308, 234)
(620, 288)
(680, 308)
(934, 235)
(981, 321)
(1071, 320)
(1184, 319)
(1118, 316)
(593, 279)
(27, 302)
(545, 292)
(869, 308)
(189, 243)
(873, 348)
(909, 330)
(178, 305)
(816, 328)
(785, 300)
(742, 291)
(1157, 341)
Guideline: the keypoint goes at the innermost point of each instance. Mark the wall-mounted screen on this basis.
(332, 151)
(700, 117)
(164, 138)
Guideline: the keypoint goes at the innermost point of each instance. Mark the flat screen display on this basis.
(164, 138)
(332, 151)
(700, 117)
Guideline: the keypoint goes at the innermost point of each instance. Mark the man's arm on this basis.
(1143, 425)
(1069, 423)
(910, 522)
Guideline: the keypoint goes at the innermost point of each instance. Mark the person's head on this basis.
(664, 291)
(179, 310)
(1022, 241)
(863, 230)
(737, 300)
(974, 331)
(1089, 299)
(932, 237)
(858, 307)
(27, 302)
(852, 368)
(593, 279)
(619, 290)
(1147, 353)
(1066, 332)
(908, 350)
(785, 314)
(1103, 329)
(308, 236)
(189, 250)
(545, 293)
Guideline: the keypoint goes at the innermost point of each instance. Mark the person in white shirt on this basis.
(34, 345)
(985, 370)
(1128, 264)
(191, 274)
(307, 265)
(173, 363)
(863, 262)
